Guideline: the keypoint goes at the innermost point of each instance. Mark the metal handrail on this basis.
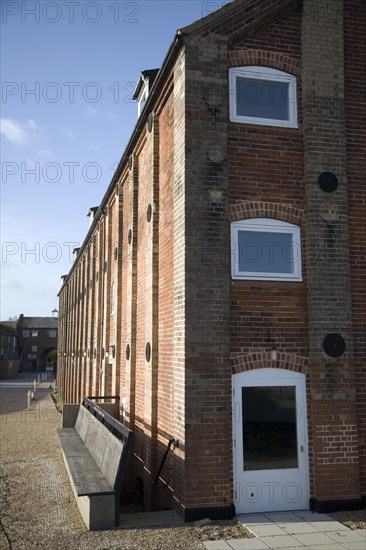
(121, 431)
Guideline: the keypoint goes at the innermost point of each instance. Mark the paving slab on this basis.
(267, 530)
(297, 528)
(254, 519)
(330, 525)
(282, 541)
(346, 536)
(314, 539)
(247, 544)
(217, 545)
(354, 545)
(310, 517)
(282, 517)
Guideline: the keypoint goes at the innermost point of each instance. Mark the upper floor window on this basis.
(265, 249)
(25, 333)
(35, 333)
(52, 333)
(261, 95)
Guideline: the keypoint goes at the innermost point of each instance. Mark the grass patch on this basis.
(58, 401)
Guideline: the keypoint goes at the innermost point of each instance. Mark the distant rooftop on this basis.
(38, 322)
(7, 326)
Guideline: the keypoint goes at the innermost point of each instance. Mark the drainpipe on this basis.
(103, 297)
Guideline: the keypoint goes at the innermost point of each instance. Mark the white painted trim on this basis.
(267, 377)
(265, 225)
(263, 73)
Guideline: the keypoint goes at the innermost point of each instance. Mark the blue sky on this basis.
(68, 71)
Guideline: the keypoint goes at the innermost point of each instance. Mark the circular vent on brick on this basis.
(149, 213)
(334, 345)
(148, 352)
(328, 182)
(128, 351)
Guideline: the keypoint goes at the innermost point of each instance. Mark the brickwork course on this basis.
(150, 311)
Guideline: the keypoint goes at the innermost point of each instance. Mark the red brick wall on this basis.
(165, 388)
(355, 80)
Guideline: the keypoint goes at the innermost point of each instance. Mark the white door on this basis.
(270, 441)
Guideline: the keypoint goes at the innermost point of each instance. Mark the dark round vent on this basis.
(148, 352)
(128, 351)
(334, 345)
(328, 182)
(149, 213)
(150, 121)
(130, 162)
(130, 236)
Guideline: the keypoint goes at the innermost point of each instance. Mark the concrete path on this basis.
(294, 531)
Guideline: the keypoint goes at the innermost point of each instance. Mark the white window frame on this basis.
(25, 333)
(34, 333)
(142, 98)
(265, 225)
(264, 74)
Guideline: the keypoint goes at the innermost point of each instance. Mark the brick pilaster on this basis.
(327, 252)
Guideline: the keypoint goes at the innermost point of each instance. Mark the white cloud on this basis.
(44, 153)
(108, 115)
(69, 133)
(20, 134)
(91, 112)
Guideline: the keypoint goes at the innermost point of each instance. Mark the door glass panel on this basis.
(269, 428)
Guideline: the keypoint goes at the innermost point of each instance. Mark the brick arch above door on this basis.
(265, 58)
(259, 360)
(243, 210)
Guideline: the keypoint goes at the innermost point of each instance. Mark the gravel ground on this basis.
(353, 520)
(37, 506)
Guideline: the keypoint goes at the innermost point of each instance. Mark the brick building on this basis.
(220, 291)
(9, 363)
(37, 337)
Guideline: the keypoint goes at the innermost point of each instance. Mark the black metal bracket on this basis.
(175, 443)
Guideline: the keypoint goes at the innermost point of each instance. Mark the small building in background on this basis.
(9, 362)
(37, 341)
